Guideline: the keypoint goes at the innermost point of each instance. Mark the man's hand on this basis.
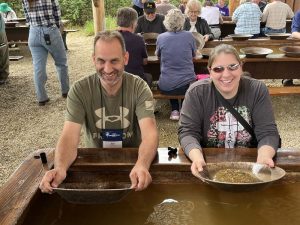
(140, 177)
(52, 179)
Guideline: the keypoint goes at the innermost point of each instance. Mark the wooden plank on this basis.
(25, 179)
(15, 58)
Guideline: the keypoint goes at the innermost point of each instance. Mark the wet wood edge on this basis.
(26, 178)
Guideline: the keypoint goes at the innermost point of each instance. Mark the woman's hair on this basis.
(208, 3)
(108, 36)
(174, 20)
(223, 48)
(193, 5)
(126, 17)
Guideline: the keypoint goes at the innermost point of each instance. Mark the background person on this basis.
(182, 5)
(4, 55)
(110, 103)
(295, 34)
(247, 18)
(206, 122)
(7, 12)
(45, 37)
(194, 23)
(261, 4)
(138, 5)
(223, 8)
(150, 22)
(176, 60)
(275, 15)
(164, 6)
(135, 45)
(213, 17)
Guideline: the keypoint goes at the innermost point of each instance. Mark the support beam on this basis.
(98, 15)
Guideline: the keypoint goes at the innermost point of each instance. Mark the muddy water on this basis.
(178, 204)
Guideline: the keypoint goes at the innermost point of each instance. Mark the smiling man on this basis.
(150, 22)
(116, 110)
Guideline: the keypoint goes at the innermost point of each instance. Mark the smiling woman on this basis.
(230, 110)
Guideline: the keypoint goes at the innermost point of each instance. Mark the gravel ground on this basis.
(26, 127)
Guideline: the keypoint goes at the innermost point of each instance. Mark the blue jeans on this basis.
(39, 51)
(178, 91)
(269, 30)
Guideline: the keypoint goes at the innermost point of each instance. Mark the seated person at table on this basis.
(275, 15)
(7, 13)
(206, 122)
(247, 18)
(213, 17)
(135, 45)
(150, 22)
(295, 34)
(223, 8)
(194, 23)
(176, 60)
(4, 56)
(116, 110)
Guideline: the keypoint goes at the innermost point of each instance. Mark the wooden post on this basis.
(98, 15)
(233, 4)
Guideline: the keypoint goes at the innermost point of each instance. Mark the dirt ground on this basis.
(26, 127)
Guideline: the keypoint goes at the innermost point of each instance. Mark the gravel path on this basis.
(26, 127)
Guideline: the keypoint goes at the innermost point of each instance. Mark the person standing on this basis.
(261, 4)
(7, 12)
(275, 15)
(223, 8)
(4, 56)
(164, 6)
(45, 37)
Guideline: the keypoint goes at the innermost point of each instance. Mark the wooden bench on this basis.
(274, 91)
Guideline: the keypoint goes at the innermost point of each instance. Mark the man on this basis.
(150, 22)
(4, 56)
(275, 15)
(295, 34)
(7, 12)
(164, 7)
(261, 4)
(135, 45)
(116, 109)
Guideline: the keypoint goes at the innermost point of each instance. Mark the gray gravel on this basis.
(26, 127)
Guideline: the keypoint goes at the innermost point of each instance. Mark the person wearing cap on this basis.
(4, 56)
(7, 12)
(150, 22)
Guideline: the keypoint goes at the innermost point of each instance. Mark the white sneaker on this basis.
(174, 115)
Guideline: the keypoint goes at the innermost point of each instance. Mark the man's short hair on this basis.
(126, 17)
(108, 36)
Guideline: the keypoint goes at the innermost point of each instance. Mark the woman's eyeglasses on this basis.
(230, 67)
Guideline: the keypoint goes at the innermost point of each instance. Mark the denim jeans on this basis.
(178, 91)
(39, 51)
(269, 30)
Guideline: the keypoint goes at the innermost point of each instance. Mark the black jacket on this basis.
(201, 26)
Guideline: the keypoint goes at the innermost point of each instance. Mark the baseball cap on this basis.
(149, 7)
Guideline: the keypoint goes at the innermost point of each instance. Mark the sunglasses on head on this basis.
(230, 67)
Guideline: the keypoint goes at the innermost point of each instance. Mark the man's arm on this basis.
(65, 154)
(139, 175)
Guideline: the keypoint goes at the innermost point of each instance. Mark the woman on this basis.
(45, 37)
(205, 122)
(194, 23)
(177, 68)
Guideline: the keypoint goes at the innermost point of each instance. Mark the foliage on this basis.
(89, 28)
